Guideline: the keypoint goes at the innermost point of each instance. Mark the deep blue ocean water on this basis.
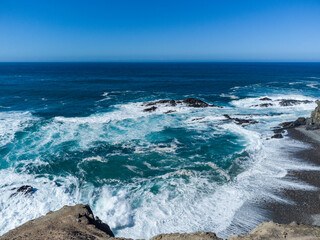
(77, 133)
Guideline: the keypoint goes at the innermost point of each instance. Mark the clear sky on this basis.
(160, 30)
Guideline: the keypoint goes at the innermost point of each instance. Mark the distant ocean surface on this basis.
(77, 133)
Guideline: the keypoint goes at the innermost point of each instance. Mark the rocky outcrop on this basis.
(281, 102)
(76, 222)
(274, 231)
(292, 102)
(287, 125)
(189, 102)
(314, 121)
(241, 121)
(26, 190)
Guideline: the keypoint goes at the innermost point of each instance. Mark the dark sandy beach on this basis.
(306, 209)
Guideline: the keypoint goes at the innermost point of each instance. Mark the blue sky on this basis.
(160, 30)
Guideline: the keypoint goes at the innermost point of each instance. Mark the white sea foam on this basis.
(17, 209)
(185, 200)
(231, 96)
(12, 122)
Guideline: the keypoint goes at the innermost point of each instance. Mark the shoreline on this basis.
(306, 204)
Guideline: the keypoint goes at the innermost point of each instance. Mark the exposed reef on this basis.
(189, 102)
(268, 102)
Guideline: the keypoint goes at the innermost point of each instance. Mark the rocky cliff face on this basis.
(314, 121)
(72, 223)
(79, 223)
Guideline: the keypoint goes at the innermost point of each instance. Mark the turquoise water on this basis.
(77, 133)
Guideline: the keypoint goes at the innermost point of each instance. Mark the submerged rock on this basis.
(76, 222)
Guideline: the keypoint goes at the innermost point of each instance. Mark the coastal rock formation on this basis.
(240, 121)
(292, 102)
(76, 222)
(281, 102)
(27, 190)
(314, 121)
(189, 102)
(187, 236)
(287, 125)
(275, 231)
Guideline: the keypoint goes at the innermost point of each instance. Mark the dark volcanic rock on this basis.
(240, 121)
(170, 111)
(277, 135)
(265, 99)
(292, 102)
(150, 109)
(164, 101)
(190, 102)
(263, 105)
(25, 189)
(300, 121)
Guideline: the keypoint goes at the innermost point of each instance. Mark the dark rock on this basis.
(265, 99)
(190, 102)
(263, 105)
(197, 119)
(57, 184)
(240, 121)
(300, 121)
(196, 103)
(25, 189)
(170, 111)
(150, 109)
(292, 102)
(164, 101)
(277, 135)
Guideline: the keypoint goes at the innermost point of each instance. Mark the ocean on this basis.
(78, 133)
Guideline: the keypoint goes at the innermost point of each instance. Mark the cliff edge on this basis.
(78, 222)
